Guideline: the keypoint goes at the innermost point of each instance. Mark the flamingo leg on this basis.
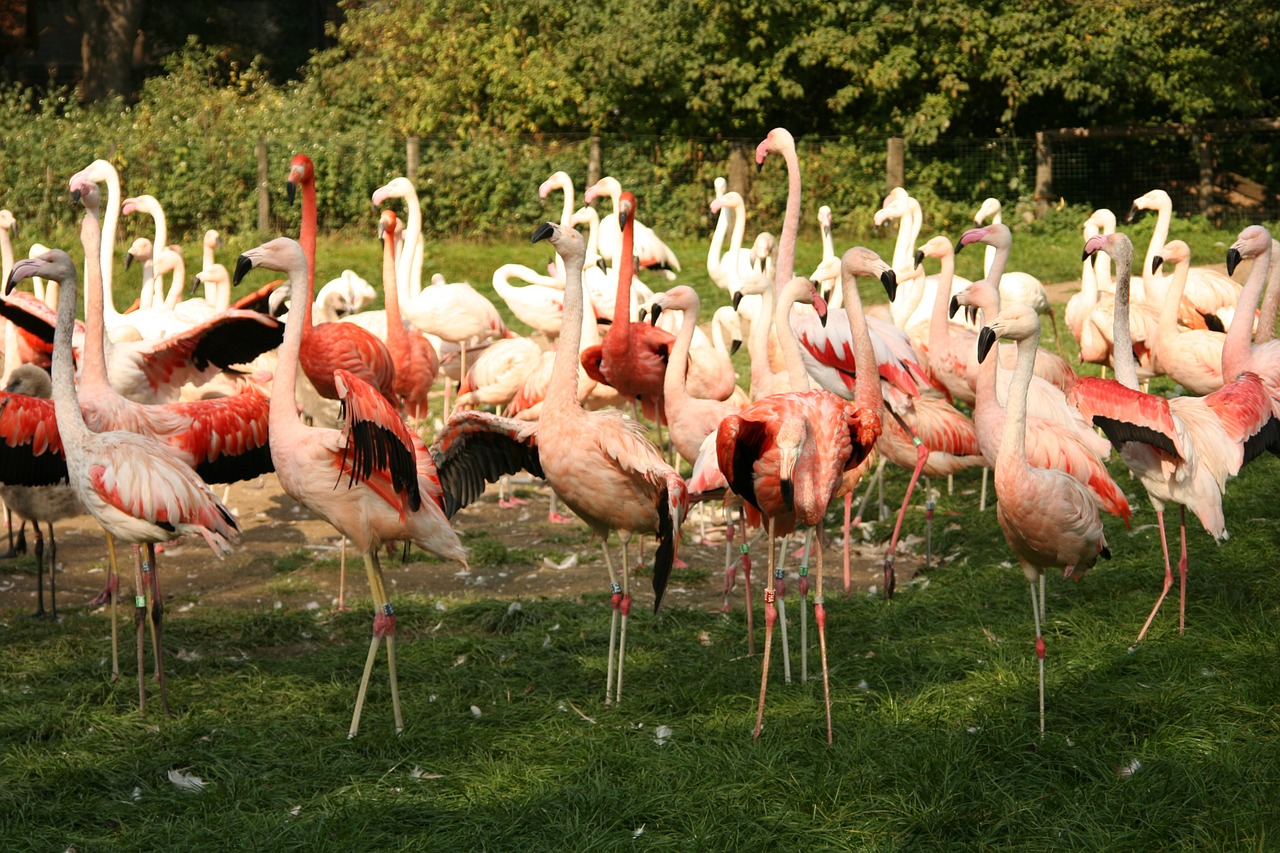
(615, 590)
(820, 619)
(149, 575)
(157, 625)
(876, 478)
(53, 572)
(384, 623)
(1036, 610)
(364, 685)
(730, 561)
(342, 577)
(626, 612)
(982, 495)
(1182, 571)
(139, 620)
(848, 530)
(745, 548)
(780, 586)
(928, 521)
(803, 585)
(113, 580)
(1168, 578)
(770, 616)
(1057, 339)
(922, 454)
(39, 553)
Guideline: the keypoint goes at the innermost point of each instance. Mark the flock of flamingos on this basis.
(835, 392)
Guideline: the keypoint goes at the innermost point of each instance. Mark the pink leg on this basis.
(922, 455)
(770, 617)
(730, 561)
(1168, 578)
(1182, 572)
(745, 548)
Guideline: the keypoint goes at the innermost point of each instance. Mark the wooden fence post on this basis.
(1044, 173)
(264, 198)
(895, 164)
(1204, 148)
(740, 169)
(595, 164)
(412, 153)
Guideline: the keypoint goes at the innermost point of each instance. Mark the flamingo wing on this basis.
(226, 436)
(232, 337)
(30, 448)
(376, 439)
(259, 300)
(1243, 407)
(475, 448)
(1125, 414)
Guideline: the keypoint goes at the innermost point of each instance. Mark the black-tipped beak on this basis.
(953, 307)
(1156, 263)
(1134, 212)
(919, 257)
(889, 279)
(195, 281)
(543, 232)
(735, 345)
(623, 216)
(971, 313)
(986, 340)
(604, 268)
(653, 318)
(737, 299)
(1233, 260)
(75, 196)
(128, 259)
(1086, 254)
(14, 229)
(960, 246)
(290, 190)
(243, 264)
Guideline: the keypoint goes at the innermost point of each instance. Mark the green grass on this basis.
(1174, 745)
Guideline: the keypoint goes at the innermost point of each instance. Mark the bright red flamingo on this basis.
(633, 356)
(134, 485)
(1183, 449)
(393, 492)
(329, 347)
(416, 360)
(1049, 519)
(601, 465)
(787, 455)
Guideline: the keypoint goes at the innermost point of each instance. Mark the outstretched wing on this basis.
(476, 448)
(30, 447)
(377, 441)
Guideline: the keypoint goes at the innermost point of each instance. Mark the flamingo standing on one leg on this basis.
(393, 491)
(601, 465)
(1048, 518)
(132, 484)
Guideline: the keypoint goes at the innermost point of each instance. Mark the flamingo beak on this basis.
(737, 299)
(1134, 211)
(820, 305)
(1156, 263)
(734, 346)
(653, 318)
(290, 190)
(986, 340)
(954, 307)
(919, 257)
(128, 260)
(544, 232)
(889, 279)
(1233, 260)
(243, 264)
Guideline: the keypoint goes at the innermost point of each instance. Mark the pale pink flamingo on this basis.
(331, 346)
(1212, 294)
(538, 303)
(1190, 357)
(787, 456)
(650, 252)
(1270, 302)
(1183, 449)
(393, 492)
(632, 358)
(498, 373)
(723, 265)
(40, 504)
(602, 466)
(1094, 343)
(153, 292)
(134, 485)
(1238, 353)
(560, 181)
(1048, 518)
(416, 360)
(1070, 447)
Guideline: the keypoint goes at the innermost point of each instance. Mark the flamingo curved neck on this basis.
(797, 376)
(866, 385)
(1013, 451)
(1159, 236)
(673, 381)
(791, 220)
(1122, 358)
(1238, 346)
(939, 322)
(562, 387)
(71, 425)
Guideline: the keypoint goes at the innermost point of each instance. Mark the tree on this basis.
(109, 31)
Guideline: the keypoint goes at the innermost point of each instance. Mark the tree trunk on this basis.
(109, 29)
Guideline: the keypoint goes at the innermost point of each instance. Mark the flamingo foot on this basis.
(108, 591)
(557, 518)
(512, 503)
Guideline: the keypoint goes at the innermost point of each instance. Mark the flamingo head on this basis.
(1176, 251)
(557, 181)
(395, 188)
(1117, 245)
(990, 207)
(55, 265)
(863, 261)
(567, 242)
(283, 254)
(301, 171)
(1251, 243)
(935, 247)
(8, 223)
(824, 218)
(991, 235)
(778, 140)
(386, 223)
(626, 211)
(140, 251)
(212, 239)
(1153, 200)
(1016, 322)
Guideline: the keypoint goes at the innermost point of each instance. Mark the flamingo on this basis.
(539, 303)
(1213, 295)
(560, 181)
(1183, 449)
(38, 504)
(154, 294)
(1271, 302)
(1190, 357)
(393, 492)
(1048, 518)
(787, 454)
(416, 360)
(1238, 354)
(133, 484)
(650, 252)
(602, 466)
(1015, 286)
(633, 356)
(328, 347)
(1094, 342)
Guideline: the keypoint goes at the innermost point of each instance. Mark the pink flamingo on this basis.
(416, 360)
(650, 252)
(787, 456)
(393, 490)
(1238, 353)
(132, 484)
(1190, 357)
(328, 347)
(1183, 449)
(601, 465)
(633, 356)
(1048, 518)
